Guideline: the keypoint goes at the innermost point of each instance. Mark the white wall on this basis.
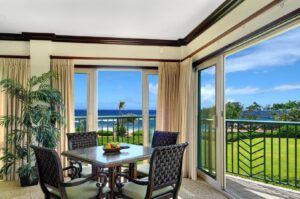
(14, 48)
(40, 52)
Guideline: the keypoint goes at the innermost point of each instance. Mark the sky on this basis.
(268, 72)
(115, 86)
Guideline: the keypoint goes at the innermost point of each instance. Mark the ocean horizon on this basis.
(113, 112)
(109, 124)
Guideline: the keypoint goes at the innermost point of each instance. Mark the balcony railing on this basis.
(264, 150)
(127, 129)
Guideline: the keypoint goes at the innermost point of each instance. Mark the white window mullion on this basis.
(145, 97)
(92, 115)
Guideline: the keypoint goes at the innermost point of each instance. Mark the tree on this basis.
(289, 111)
(250, 111)
(121, 106)
(234, 110)
(254, 107)
(293, 115)
(120, 127)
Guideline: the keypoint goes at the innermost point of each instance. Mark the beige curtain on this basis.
(18, 69)
(168, 110)
(65, 84)
(175, 111)
(187, 133)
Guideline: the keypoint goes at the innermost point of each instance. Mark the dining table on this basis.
(99, 159)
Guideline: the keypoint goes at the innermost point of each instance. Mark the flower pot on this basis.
(28, 180)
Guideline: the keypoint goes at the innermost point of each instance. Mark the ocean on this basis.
(108, 124)
(108, 112)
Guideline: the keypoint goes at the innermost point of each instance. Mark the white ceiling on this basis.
(153, 19)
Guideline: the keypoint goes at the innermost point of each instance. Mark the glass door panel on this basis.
(207, 121)
(152, 103)
(150, 88)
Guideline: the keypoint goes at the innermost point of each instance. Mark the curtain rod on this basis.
(114, 58)
(15, 56)
(115, 67)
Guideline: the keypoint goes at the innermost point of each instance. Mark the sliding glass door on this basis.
(210, 124)
(207, 121)
(150, 90)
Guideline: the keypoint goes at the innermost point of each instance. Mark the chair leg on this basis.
(175, 195)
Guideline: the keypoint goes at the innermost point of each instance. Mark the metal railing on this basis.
(265, 150)
(126, 128)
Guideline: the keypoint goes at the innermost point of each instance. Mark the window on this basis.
(80, 98)
(114, 103)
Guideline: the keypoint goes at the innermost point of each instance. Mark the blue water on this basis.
(108, 124)
(82, 112)
(262, 115)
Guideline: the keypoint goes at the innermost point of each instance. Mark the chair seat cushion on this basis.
(143, 168)
(85, 190)
(86, 169)
(136, 191)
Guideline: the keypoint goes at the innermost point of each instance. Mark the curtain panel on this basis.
(19, 70)
(168, 109)
(65, 84)
(187, 131)
(175, 111)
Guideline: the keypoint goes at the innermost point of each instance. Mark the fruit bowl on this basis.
(113, 148)
(117, 150)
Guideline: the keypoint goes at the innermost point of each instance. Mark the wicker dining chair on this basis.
(82, 140)
(160, 138)
(164, 176)
(52, 180)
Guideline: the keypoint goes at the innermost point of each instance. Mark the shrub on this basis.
(105, 133)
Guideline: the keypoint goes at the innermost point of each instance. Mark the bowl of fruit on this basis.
(113, 147)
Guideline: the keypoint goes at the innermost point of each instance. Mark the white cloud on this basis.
(253, 90)
(153, 88)
(242, 91)
(279, 51)
(230, 100)
(208, 93)
(286, 87)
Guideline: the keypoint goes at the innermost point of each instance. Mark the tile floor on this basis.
(189, 190)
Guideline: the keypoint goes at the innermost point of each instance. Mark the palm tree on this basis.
(121, 106)
(41, 109)
(120, 128)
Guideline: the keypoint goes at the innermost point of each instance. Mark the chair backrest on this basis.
(166, 167)
(81, 140)
(164, 138)
(49, 167)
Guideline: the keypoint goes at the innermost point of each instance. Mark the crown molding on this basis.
(217, 15)
(284, 20)
(114, 58)
(16, 56)
(213, 18)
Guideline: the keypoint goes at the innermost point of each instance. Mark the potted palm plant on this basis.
(41, 111)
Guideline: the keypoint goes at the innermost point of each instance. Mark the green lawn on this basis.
(283, 163)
